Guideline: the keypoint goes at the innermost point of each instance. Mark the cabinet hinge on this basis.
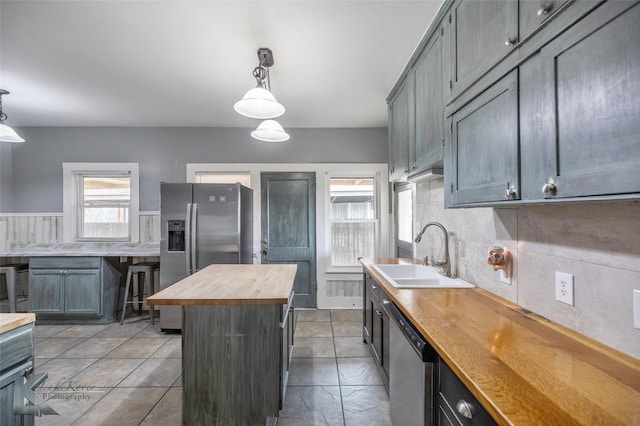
(450, 84)
(443, 142)
(452, 187)
(451, 129)
(442, 31)
(449, 18)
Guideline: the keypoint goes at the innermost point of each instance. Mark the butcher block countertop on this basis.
(9, 322)
(231, 285)
(523, 368)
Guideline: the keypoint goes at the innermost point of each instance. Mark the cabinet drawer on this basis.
(16, 346)
(64, 262)
(453, 393)
(373, 288)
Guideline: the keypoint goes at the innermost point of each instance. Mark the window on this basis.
(101, 202)
(353, 219)
(104, 205)
(404, 219)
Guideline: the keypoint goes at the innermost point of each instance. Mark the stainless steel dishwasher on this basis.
(410, 371)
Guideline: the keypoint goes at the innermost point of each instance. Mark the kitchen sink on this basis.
(418, 276)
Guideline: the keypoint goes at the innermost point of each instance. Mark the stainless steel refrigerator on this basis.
(201, 224)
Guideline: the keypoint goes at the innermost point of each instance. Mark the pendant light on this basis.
(270, 131)
(259, 102)
(7, 134)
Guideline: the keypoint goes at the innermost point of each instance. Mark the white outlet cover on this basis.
(504, 278)
(636, 308)
(564, 288)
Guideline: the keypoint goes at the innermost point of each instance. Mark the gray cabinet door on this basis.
(483, 154)
(427, 149)
(533, 13)
(46, 291)
(82, 292)
(580, 109)
(481, 33)
(400, 128)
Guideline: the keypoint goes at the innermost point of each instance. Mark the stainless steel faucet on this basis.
(446, 263)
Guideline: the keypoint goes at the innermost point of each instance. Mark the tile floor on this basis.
(130, 374)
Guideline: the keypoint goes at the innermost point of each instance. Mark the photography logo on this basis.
(26, 401)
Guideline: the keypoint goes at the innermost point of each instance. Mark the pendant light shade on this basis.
(259, 103)
(7, 134)
(270, 131)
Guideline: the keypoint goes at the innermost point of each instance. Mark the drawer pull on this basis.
(544, 10)
(465, 409)
(374, 287)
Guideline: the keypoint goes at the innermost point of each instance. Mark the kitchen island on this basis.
(237, 325)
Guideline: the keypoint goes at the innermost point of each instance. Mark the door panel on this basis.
(82, 292)
(218, 223)
(288, 229)
(46, 291)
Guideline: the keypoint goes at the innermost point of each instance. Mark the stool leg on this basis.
(148, 284)
(11, 278)
(126, 297)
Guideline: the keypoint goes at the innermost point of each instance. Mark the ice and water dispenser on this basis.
(175, 239)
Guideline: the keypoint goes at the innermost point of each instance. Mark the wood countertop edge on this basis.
(217, 302)
(12, 321)
(496, 400)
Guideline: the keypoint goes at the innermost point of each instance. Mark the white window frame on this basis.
(71, 172)
(376, 197)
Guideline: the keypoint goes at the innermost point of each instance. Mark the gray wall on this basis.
(6, 200)
(163, 154)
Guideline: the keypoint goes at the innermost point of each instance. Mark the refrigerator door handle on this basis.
(194, 236)
(187, 244)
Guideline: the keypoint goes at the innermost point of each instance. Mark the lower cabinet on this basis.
(16, 365)
(455, 405)
(376, 327)
(73, 289)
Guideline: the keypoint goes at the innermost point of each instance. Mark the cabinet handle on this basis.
(465, 409)
(385, 302)
(510, 41)
(550, 187)
(378, 312)
(545, 9)
(374, 287)
(511, 193)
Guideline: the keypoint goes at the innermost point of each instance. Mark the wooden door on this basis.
(46, 291)
(580, 109)
(481, 33)
(289, 228)
(484, 148)
(427, 149)
(400, 123)
(82, 292)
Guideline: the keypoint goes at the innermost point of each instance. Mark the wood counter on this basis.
(523, 368)
(231, 285)
(9, 322)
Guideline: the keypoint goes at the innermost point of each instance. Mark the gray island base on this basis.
(236, 342)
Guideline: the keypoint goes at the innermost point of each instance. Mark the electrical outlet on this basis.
(636, 308)
(504, 278)
(564, 288)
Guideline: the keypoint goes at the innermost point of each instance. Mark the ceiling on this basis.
(185, 63)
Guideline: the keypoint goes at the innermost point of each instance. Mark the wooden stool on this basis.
(146, 269)
(11, 277)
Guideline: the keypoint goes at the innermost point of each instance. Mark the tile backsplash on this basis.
(599, 243)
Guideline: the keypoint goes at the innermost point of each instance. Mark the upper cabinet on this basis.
(426, 148)
(538, 101)
(481, 32)
(533, 13)
(580, 106)
(484, 144)
(416, 115)
(400, 125)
